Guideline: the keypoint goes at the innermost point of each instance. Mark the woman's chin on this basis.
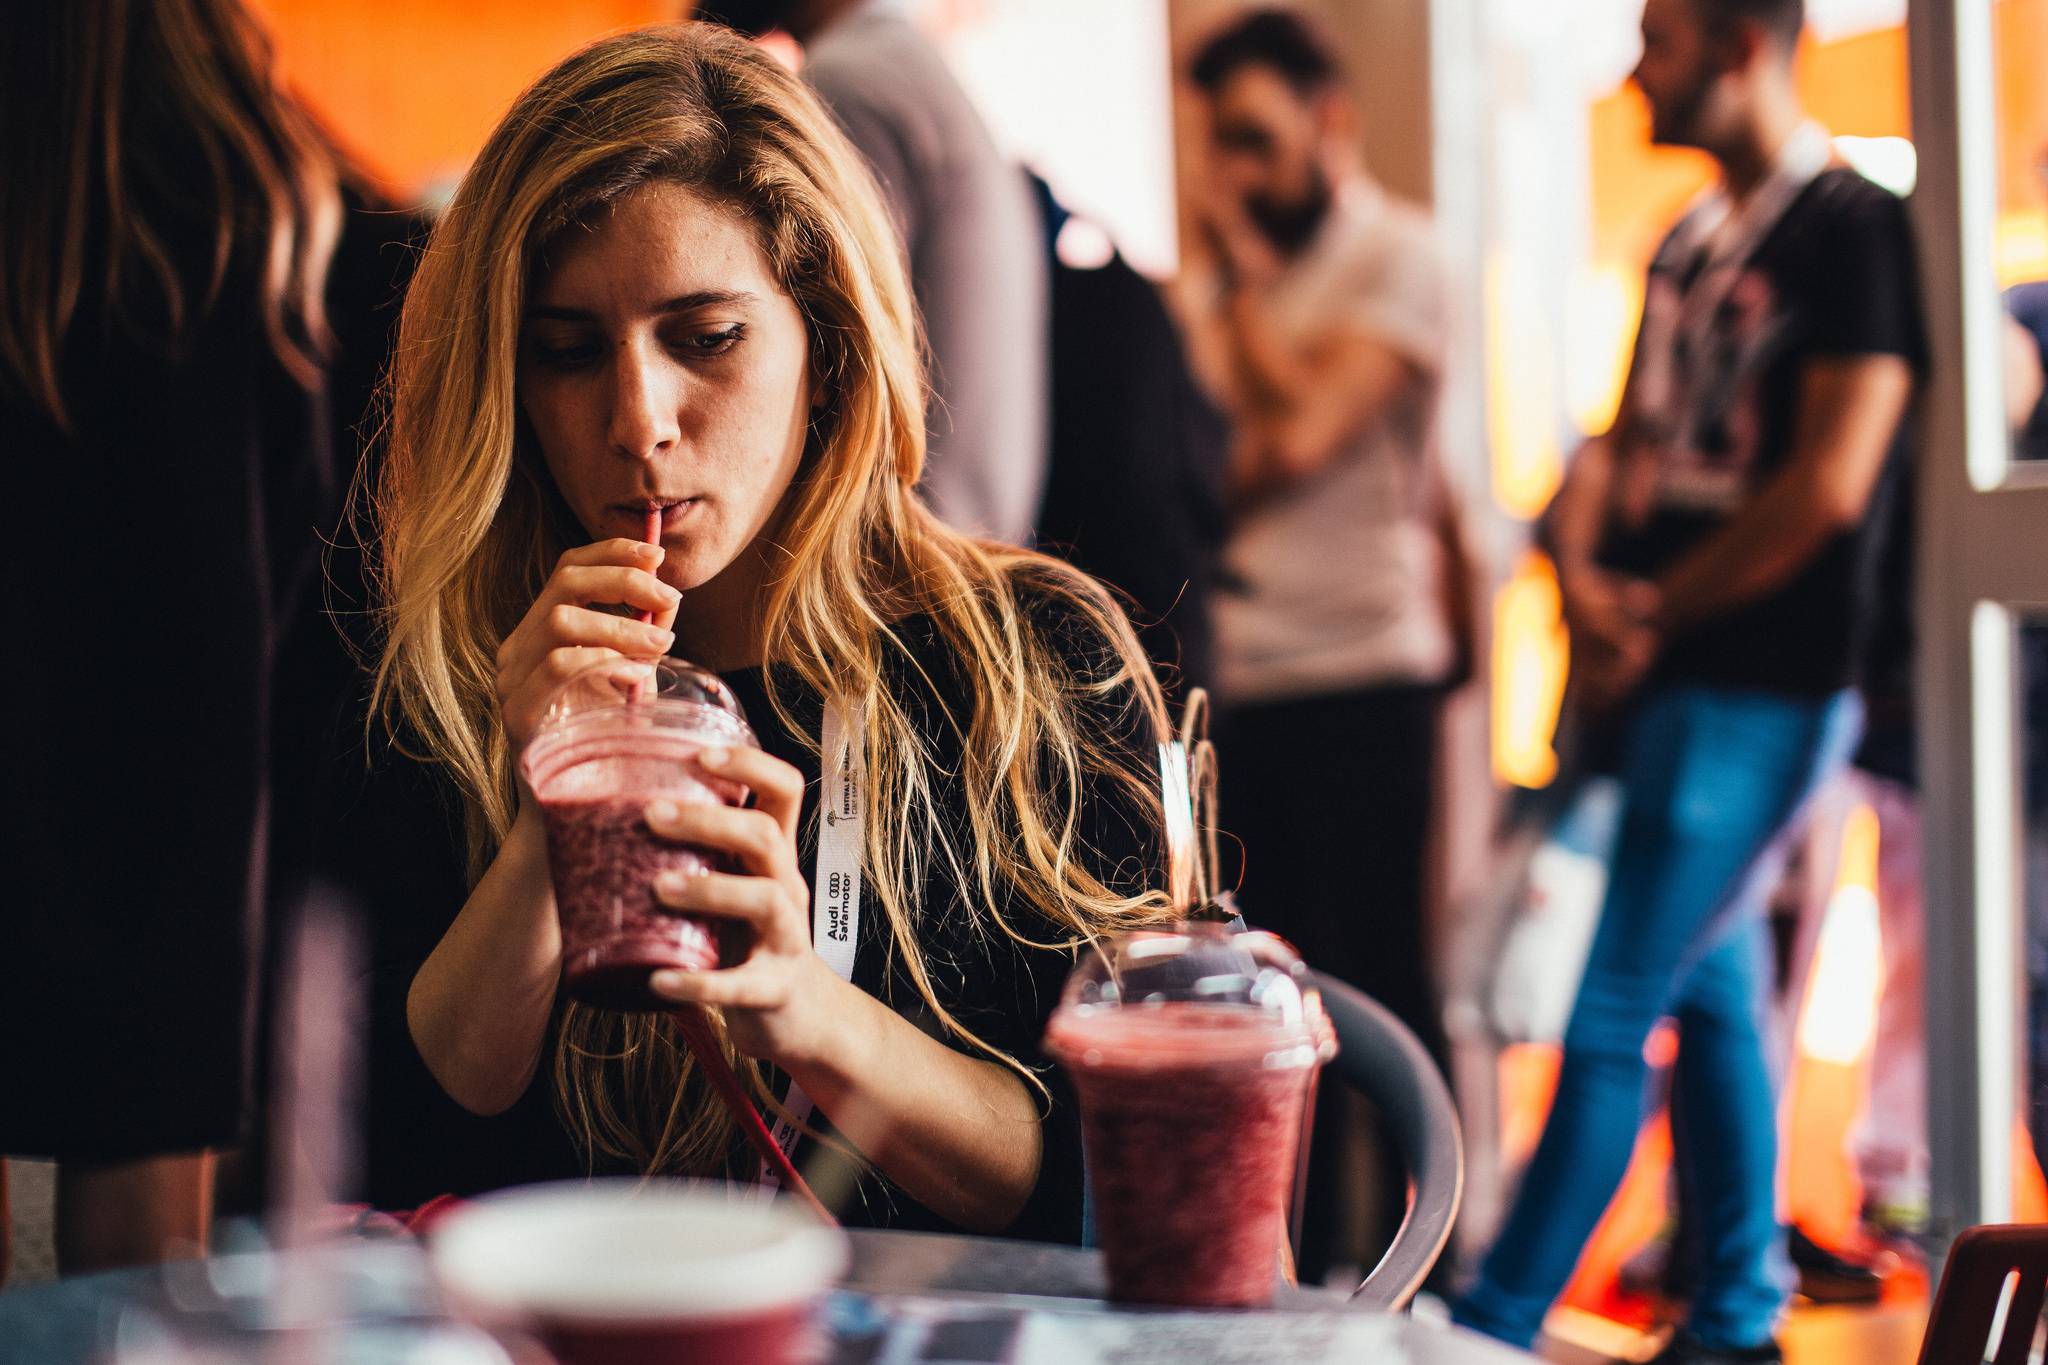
(689, 569)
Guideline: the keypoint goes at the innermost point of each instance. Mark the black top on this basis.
(1134, 492)
(399, 856)
(171, 538)
(1835, 278)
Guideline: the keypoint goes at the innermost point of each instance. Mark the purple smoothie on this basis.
(1192, 1119)
(594, 788)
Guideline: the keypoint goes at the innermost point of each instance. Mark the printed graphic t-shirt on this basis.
(1836, 278)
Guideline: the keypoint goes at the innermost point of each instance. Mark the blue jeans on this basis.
(1714, 782)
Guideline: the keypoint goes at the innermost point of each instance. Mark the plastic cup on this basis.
(614, 739)
(620, 1272)
(1194, 1054)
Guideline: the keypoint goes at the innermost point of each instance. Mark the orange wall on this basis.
(412, 87)
(1858, 86)
(2022, 37)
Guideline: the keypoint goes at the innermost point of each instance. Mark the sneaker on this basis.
(1829, 1277)
(1686, 1349)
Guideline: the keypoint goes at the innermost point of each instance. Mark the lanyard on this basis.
(835, 882)
(1716, 243)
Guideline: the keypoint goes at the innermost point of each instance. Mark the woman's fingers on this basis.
(758, 901)
(734, 988)
(616, 550)
(573, 638)
(523, 690)
(570, 626)
(755, 838)
(778, 788)
(626, 585)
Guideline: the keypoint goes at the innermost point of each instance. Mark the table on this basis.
(905, 1291)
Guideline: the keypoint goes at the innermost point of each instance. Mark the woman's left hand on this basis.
(779, 1003)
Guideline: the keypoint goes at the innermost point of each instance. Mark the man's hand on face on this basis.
(1247, 258)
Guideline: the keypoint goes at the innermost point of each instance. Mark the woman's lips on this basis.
(632, 516)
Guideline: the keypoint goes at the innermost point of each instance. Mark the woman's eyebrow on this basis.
(681, 303)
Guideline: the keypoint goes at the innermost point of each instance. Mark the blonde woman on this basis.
(668, 282)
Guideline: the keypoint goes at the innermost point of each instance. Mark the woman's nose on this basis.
(644, 404)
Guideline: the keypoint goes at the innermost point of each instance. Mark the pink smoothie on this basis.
(603, 859)
(1192, 1117)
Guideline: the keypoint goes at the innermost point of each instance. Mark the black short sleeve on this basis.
(1866, 285)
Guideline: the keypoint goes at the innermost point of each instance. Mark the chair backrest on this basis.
(1381, 1058)
(1990, 1297)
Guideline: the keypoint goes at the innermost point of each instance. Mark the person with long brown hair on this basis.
(668, 283)
(166, 225)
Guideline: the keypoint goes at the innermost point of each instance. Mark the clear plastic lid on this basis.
(665, 701)
(1192, 988)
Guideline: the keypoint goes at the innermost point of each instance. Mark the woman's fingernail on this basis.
(661, 812)
(713, 757)
(665, 982)
(674, 884)
(656, 636)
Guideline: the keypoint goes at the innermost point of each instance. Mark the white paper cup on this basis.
(628, 1271)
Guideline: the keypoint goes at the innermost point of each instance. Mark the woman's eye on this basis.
(711, 343)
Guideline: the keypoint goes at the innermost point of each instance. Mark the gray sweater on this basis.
(978, 263)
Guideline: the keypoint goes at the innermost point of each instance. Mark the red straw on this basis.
(652, 535)
(696, 1031)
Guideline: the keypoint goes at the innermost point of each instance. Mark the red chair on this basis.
(1994, 1283)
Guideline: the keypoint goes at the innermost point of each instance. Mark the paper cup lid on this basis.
(630, 1251)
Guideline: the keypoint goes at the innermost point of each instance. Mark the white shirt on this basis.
(1335, 582)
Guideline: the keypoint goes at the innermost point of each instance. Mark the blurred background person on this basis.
(1715, 557)
(2026, 359)
(1339, 611)
(1134, 494)
(970, 233)
(168, 225)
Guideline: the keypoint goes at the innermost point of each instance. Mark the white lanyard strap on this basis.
(835, 881)
(1714, 244)
(1729, 238)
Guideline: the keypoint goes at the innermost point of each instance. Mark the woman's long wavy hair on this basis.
(133, 132)
(469, 528)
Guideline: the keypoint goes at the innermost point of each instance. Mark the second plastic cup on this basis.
(616, 738)
(1193, 1053)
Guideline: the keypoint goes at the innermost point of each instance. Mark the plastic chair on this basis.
(1993, 1283)
(1379, 1057)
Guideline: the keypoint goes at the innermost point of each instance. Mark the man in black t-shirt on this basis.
(1717, 556)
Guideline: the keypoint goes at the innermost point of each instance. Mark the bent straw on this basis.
(696, 1031)
(652, 535)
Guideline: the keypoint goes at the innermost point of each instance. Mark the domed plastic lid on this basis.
(660, 701)
(1195, 988)
(636, 682)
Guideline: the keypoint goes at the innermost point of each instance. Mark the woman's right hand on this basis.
(563, 633)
